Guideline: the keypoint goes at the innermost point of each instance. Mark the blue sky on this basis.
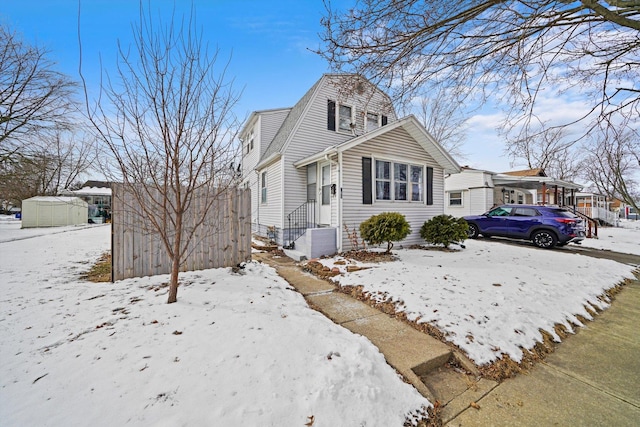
(267, 42)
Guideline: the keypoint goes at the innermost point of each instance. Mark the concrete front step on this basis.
(295, 255)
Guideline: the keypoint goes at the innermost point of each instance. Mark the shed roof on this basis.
(58, 199)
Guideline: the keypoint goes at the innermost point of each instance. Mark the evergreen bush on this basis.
(444, 230)
(385, 227)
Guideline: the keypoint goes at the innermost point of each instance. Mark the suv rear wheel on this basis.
(473, 231)
(544, 239)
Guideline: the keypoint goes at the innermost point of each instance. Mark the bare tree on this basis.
(551, 150)
(167, 120)
(34, 98)
(441, 115)
(613, 166)
(52, 165)
(518, 54)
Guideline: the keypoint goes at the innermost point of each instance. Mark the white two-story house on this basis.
(318, 169)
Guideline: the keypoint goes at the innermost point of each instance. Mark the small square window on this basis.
(455, 198)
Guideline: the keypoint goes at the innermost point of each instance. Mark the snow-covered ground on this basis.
(492, 298)
(236, 349)
(245, 349)
(625, 238)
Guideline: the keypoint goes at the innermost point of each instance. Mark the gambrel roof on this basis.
(280, 141)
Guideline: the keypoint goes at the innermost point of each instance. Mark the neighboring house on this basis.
(97, 194)
(475, 191)
(624, 210)
(334, 159)
(596, 206)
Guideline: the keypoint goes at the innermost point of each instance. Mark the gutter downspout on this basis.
(258, 197)
(339, 190)
(282, 196)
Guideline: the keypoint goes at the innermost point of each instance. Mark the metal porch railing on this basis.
(298, 221)
(591, 228)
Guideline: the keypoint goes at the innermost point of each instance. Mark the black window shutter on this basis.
(366, 181)
(331, 115)
(429, 186)
(384, 120)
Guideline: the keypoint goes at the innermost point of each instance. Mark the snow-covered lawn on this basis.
(236, 349)
(245, 349)
(625, 238)
(492, 298)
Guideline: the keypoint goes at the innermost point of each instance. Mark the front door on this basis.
(324, 194)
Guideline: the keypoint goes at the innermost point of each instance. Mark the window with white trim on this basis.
(312, 179)
(416, 183)
(383, 180)
(250, 142)
(345, 118)
(399, 181)
(372, 121)
(263, 187)
(455, 198)
(405, 179)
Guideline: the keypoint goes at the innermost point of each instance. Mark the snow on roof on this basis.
(66, 199)
(100, 191)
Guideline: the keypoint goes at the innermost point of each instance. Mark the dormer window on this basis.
(372, 121)
(342, 115)
(342, 118)
(345, 118)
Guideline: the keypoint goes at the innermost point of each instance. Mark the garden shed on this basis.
(53, 211)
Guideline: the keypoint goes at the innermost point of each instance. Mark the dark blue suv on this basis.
(545, 226)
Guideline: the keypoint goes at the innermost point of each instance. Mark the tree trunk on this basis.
(177, 256)
(173, 283)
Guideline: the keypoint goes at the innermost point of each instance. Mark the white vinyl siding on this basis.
(397, 146)
(269, 212)
(477, 192)
(270, 123)
(250, 157)
(263, 129)
(312, 136)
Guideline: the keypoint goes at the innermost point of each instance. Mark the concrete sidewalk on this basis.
(411, 352)
(592, 379)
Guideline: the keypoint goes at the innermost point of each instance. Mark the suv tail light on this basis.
(566, 220)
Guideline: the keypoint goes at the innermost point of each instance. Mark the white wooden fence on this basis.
(599, 213)
(222, 240)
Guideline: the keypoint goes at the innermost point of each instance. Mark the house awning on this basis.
(532, 182)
